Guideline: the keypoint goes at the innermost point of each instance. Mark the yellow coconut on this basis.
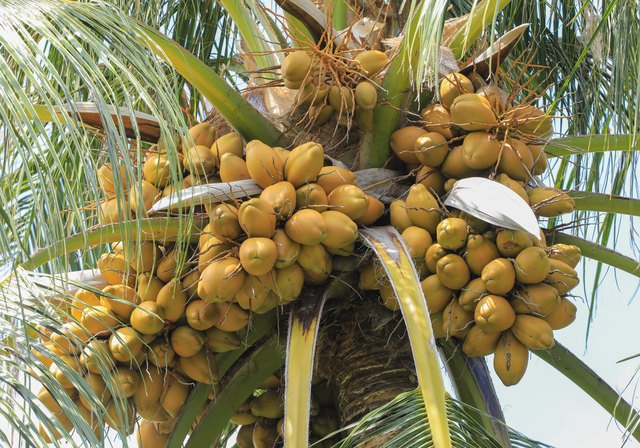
(122, 300)
(539, 300)
(124, 382)
(148, 286)
(530, 122)
(161, 353)
(115, 269)
(531, 265)
(257, 218)
(434, 253)
(174, 394)
(224, 222)
(221, 280)
(289, 283)
(563, 315)
(479, 342)
(498, 98)
(219, 341)
(230, 143)
(311, 196)
(264, 164)
(452, 271)
(514, 185)
(567, 253)
(125, 344)
(449, 184)
(389, 298)
(516, 160)
(371, 62)
(231, 317)
(107, 181)
(437, 295)
(199, 160)
(148, 318)
(456, 322)
(539, 159)
(422, 208)
(315, 262)
(479, 252)
(99, 320)
(304, 164)
(454, 167)
(310, 94)
(452, 233)
(114, 210)
(258, 255)
(172, 299)
(432, 178)
(202, 315)
(203, 134)
(494, 314)
(121, 416)
(452, 86)
(399, 216)
(157, 170)
(341, 230)
(149, 389)
(307, 227)
(331, 177)
(148, 435)
(403, 142)
(417, 240)
(374, 211)
(562, 277)
(142, 197)
(371, 277)
(296, 65)
(287, 250)
(511, 242)
(436, 118)
(201, 367)
(473, 112)
(510, 359)
(499, 276)
(269, 405)
(533, 332)
(233, 168)
(431, 149)
(282, 197)
(319, 115)
(255, 291)
(366, 95)
(83, 299)
(350, 200)
(472, 293)
(170, 266)
(550, 202)
(480, 150)
(213, 249)
(96, 356)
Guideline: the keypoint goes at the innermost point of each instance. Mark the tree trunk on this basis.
(365, 355)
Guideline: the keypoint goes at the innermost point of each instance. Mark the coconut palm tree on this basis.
(91, 82)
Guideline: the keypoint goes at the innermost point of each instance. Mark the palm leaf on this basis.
(261, 363)
(260, 326)
(577, 145)
(598, 202)
(394, 257)
(585, 378)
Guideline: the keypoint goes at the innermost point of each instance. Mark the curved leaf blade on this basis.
(599, 202)
(568, 364)
(387, 244)
(585, 144)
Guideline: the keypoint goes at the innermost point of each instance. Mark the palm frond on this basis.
(403, 423)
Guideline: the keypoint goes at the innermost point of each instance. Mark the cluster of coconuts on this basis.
(151, 332)
(261, 417)
(500, 291)
(167, 311)
(259, 253)
(332, 88)
(476, 131)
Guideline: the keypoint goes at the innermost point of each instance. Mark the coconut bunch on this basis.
(498, 290)
(149, 330)
(163, 175)
(476, 130)
(259, 253)
(261, 417)
(335, 86)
